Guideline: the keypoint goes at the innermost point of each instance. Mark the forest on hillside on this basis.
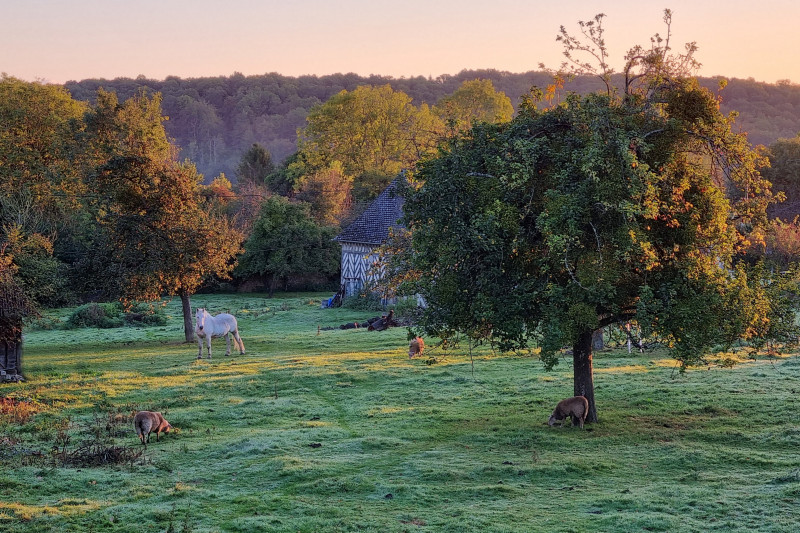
(214, 120)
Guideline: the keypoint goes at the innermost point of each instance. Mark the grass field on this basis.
(338, 430)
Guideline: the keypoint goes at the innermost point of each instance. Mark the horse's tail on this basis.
(240, 341)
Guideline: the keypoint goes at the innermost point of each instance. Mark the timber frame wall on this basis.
(357, 261)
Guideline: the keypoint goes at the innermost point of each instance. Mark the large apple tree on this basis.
(629, 204)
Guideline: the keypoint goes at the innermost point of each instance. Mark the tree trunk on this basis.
(272, 282)
(597, 340)
(583, 373)
(11, 359)
(187, 315)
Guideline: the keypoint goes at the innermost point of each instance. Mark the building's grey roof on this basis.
(372, 226)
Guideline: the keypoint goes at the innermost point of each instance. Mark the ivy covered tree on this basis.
(14, 307)
(606, 208)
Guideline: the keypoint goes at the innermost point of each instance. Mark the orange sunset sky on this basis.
(58, 40)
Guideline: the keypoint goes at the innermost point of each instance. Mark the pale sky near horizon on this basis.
(59, 40)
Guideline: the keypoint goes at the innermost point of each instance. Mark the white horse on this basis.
(207, 326)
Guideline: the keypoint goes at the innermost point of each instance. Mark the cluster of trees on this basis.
(216, 119)
(352, 146)
(362, 139)
(96, 202)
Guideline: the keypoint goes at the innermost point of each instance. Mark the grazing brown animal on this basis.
(416, 347)
(576, 407)
(146, 422)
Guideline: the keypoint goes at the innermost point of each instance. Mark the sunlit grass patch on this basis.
(625, 368)
(64, 507)
(385, 410)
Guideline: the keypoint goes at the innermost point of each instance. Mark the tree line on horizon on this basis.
(215, 120)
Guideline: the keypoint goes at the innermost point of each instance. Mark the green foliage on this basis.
(327, 191)
(40, 155)
(474, 101)
(285, 240)
(230, 113)
(39, 274)
(155, 235)
(95, 193)
(114, 315)
(40, 131)
(364, 301)
(144, 314)
(371, 131)
(96, 315)
(596, 211)
(255, 166)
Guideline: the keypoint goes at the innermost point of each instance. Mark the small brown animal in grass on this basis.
(576, 407)
(146, 422)
(416, 347)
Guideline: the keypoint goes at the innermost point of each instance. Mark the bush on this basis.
(95, 315)
(142, 314)
(407, 310)
(46, 323)
(112, 315)
(364, 301)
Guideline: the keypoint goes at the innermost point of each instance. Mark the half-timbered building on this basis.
(362, 238)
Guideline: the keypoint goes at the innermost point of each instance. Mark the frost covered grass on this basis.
(337, 430)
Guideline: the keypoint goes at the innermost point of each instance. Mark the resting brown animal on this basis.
(576, 407)
(146, 422)
(416, 347)
(382, 323)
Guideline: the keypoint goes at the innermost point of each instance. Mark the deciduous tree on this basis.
(327, 191)
(40, 127)
(474, 101)
(601, 210)
(285, 240)
(41, 157)
(160, 239)
(373, 131)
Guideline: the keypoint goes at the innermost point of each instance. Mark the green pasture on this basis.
(337, 430)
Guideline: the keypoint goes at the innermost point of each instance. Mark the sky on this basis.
(55, 41)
